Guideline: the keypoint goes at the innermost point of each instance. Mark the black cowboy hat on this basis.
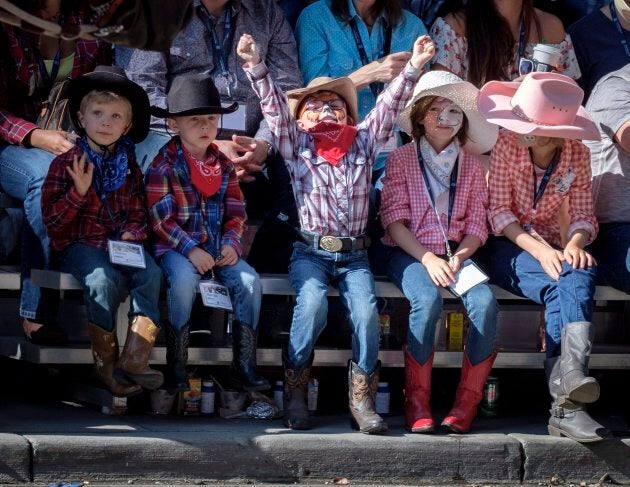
(114, 79)
(193, 94)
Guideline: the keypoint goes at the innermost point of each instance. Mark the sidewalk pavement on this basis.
(63, 442)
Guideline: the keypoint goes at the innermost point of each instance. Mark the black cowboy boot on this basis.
(243, 373)
(296, 414)
(176, 358)
(362, 394)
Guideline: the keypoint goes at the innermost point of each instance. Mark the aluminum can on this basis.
(207, 398)
(381, 403)
(490, 402)
(278, 395)
(313, 391)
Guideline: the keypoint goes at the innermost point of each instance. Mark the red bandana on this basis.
(205, 175)
(332, 140)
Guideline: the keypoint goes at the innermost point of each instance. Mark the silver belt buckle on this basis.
(330, 244)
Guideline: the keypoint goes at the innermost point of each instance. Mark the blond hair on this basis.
(103, 96)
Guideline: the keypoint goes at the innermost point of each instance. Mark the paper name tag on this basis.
(215, 295)
(467, 277)
(126, 253)
(235, 120)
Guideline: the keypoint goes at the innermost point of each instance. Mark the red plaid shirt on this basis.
(405, 198)
(70, 218)
(20, 70)
(511, 188)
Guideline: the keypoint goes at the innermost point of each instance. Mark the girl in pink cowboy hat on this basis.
(433, 207)
(539, 168)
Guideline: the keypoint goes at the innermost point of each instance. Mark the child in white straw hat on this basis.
(537, 168)
(433, 208)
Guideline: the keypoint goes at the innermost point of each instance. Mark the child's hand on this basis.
(126, 236)
(551, 261)
(423, 51)
(248, 50)
(81, 173)
(578, 257)
(439, 270)
(201, 259)
(228, 256)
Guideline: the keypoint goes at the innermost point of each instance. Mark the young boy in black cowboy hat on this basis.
(94, 209)
(197, 212)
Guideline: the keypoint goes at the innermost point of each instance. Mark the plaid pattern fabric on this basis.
(405, 198)
(70, 218)
(176, 208)
(20, 71)
(511, 190)
(332, 200)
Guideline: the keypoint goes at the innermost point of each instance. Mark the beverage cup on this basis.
(162, 401)
(546, 57)
(233, 400)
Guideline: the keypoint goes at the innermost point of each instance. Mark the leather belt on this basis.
(335, 244)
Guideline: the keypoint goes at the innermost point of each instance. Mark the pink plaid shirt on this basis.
(405, 198)
(332, 200)
(511, 189)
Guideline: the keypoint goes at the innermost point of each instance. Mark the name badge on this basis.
(215, 295)
(235, 120)
(468, 276)
(126, 253)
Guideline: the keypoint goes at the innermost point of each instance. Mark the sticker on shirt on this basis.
(563, 182)
(126, 253)
(215, 295)
(235, 120)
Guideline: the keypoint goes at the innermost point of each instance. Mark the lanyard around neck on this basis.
(452, 187)
(521, 40)
(538, 192)
(49, 79)
(375, 88)
(219, 46)
(624, 36)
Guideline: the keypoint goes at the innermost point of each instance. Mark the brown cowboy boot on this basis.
(294, 400)
(105, 352)
(133, 365)
(361, 395)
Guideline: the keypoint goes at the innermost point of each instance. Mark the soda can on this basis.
(313, 390)
(490, 402)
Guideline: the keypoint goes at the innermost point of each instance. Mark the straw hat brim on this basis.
(495, 105)
(344, 87)
(481, 135)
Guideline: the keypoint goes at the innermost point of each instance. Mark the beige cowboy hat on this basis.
(344, 87)
(481, 135)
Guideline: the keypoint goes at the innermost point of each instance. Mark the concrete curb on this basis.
(15, 458)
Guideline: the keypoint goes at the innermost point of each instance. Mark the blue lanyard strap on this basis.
(219, 46)
(521, 40)
(49, 79)
(375, 88)
(452, 187)
(624, 36)
(538, 192)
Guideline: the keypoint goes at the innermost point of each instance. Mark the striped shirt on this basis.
(405, 198)
(332, 200)
(511, 190)
(181, 217)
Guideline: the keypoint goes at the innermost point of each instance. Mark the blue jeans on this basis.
(22, 174)
(567, 300)
(182, 280)
(311, 271)
(149, 147)
(611, 249)
(425, 299)
(104, 284)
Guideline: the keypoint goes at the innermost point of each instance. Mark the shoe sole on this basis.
(557, 432)
(148, 381)
(585, 393)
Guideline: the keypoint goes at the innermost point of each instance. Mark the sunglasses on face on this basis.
(318, 105)
(526, 66)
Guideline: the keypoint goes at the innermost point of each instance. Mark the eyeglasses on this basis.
(318, 105)
(526, 66)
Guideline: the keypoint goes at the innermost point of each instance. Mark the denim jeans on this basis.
(149, 147)
(311, 271)
(182, 280)
(22, 173)
(425, 300)
(566, 300)
(104, 284)
(611, 249)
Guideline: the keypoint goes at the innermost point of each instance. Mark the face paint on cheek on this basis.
(451, 116)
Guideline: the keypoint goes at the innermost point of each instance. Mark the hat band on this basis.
(518, 112)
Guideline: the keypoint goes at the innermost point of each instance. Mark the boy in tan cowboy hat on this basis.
(330, 163)
(92, 202)
(537, 166)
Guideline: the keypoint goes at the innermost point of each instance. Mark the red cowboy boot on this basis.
(418, 417)
(469, 394)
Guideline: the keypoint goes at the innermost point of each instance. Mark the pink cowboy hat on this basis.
(545, 104)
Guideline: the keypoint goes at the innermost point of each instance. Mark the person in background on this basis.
(609, 104)
(537, 167)
(602, 42)
(31, 64)
(92, 201)
(485, 40)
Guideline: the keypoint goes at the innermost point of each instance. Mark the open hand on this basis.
(53, 141)
(551, 261)
(81, 173)
(423, 51)
(248, 50)
(578, 257)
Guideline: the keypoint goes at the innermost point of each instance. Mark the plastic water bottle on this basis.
(207, 398)
(278, 394)
(313, 390)
(382, 398)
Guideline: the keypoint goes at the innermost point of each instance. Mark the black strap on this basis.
(375, 87)
(624, 35)
(538, 192)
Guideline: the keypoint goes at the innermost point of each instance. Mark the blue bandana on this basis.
(110, 168)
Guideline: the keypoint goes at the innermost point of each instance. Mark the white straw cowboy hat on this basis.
(344, 87)
(481, 135)
(545, 104)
